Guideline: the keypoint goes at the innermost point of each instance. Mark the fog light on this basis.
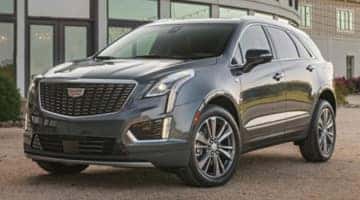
(150, 130)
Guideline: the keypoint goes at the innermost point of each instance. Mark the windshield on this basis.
(176, 41)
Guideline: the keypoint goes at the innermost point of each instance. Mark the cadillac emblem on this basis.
(75, 92)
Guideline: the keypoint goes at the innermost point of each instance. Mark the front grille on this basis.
(97, 98)
(148, 130)
(75, 144)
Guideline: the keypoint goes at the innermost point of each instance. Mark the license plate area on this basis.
(71, 147)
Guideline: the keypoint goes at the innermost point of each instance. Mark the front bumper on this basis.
(171, 152)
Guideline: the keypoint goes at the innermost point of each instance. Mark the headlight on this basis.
(170, 83)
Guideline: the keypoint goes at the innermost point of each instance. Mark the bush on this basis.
(10, 100)
(341, 92)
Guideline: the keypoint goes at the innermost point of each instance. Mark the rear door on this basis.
(263, 93)
(298, 81)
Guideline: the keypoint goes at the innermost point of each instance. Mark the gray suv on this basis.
(187, 97)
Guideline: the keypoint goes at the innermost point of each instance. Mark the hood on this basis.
(116, 69)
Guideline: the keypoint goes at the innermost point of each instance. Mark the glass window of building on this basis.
(7, 60)
(344, 20)
(280, 19)
(180, 10)
(305, 16)
(6, 6)
(75, 42)
(350, 67)
(263, 15)
(59, 9)
(232, 12)
(41, 48)
(143, 10)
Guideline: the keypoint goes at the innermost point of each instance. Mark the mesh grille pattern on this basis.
(96, 99)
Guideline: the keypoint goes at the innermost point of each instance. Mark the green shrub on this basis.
(341, 94)
(9, 99)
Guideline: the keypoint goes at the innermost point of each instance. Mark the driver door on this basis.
(262, 90)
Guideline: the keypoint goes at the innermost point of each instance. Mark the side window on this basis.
(284, 46)
(254, 38)
(303, 52)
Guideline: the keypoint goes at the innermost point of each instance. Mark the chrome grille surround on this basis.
(130, 86)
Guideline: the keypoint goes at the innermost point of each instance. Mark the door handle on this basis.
(278, 76)
(310, 68)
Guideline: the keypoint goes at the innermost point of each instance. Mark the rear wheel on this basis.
(59, 168)
(320, 143)
(215, 149)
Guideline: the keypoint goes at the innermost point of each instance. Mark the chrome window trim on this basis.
(96, 81)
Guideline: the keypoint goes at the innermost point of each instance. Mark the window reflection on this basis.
(41, 48)
(116, 32)
(7, 63)
(75, 42)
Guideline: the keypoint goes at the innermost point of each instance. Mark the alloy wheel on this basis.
(326, 132)
(215, 147)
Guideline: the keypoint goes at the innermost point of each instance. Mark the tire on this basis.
(59, 168)
(313, 148)
(201, 170)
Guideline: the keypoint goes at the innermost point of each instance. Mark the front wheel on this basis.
(215, 149)
(59, 168)
(320, 142)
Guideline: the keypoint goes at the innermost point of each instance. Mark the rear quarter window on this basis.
(284, 45)
(303, 51)
(309, 43)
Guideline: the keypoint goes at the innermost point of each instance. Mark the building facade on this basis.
(35, 35)
(335, 26)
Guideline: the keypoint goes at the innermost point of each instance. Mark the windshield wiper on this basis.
(105, 58)
(157, 56)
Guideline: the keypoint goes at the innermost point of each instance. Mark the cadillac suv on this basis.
(187, 96)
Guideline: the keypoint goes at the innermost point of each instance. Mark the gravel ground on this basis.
(274, 173)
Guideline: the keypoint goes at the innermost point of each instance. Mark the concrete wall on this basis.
(336, 50)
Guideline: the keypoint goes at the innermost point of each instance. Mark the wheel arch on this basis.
(328, 95)
(224, 100)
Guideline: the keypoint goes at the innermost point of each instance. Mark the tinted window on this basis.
(186, 41)
(284, 46)
(311, 45)
(254, 38)
(303, 52)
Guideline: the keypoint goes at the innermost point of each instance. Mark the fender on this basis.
(217, 93)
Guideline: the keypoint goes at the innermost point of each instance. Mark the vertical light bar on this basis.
(166, 128)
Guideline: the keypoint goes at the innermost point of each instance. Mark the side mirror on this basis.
(256, 57)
